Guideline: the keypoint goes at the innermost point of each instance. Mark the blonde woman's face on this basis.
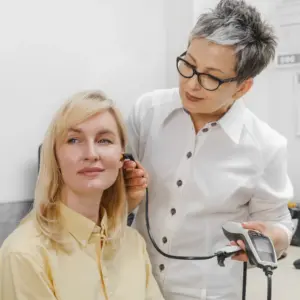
(89, 157)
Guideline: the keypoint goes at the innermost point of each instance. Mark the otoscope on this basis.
(258, 247)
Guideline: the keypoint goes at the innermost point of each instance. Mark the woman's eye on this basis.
(72, 141)
(105, 141)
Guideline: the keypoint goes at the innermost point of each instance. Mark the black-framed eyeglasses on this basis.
(207, 81)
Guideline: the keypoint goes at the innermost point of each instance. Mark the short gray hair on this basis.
(235, 23)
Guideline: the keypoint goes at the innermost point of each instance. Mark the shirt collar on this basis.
(175, 106)
(233, 121)
(81, 227)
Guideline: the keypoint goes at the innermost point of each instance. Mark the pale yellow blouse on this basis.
(30, 269)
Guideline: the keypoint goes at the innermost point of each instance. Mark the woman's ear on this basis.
(122, 160)
(243, 88)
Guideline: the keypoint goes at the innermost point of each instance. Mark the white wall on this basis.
(284, 99)
(51, 49)
(179, 19)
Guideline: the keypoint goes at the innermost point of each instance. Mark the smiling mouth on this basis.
(192, 98)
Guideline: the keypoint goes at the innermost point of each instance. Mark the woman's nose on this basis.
(91, 152)
(193, 83)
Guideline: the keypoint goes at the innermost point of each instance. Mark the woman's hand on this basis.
(274, 233)
(136, 180)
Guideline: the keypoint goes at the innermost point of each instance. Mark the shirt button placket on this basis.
(164, 238)
(183, 171)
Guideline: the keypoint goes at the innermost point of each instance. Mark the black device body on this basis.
(258, 240)
(128, 156)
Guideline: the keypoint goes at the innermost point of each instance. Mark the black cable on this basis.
(269, 287)
(245, 269)
(162, 252)
(268, 271)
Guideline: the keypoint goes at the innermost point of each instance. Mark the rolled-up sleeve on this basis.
(21, 278)
(273, 192)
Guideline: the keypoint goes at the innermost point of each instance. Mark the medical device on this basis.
(258, 247)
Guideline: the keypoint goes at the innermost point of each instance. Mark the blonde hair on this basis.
(76, 110)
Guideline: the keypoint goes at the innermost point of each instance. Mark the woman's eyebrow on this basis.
(208, 68)
(99, 132)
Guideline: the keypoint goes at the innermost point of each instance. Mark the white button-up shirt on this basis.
(232, 170)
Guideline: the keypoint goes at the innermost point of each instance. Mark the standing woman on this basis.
(210, 159)
(75, 244)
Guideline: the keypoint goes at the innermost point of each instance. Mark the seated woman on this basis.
(74, 244)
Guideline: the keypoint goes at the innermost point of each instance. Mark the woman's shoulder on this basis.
(25, 239)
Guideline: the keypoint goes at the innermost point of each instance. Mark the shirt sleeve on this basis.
(21, 278)
(273, 192)
(138, 124)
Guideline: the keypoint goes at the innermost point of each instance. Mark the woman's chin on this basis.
(92, 186)
(195, 107)
(96, 186)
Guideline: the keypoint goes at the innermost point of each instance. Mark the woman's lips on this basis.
(90, 172)
(193, 98)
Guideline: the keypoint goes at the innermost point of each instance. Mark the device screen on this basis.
(263, 248)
